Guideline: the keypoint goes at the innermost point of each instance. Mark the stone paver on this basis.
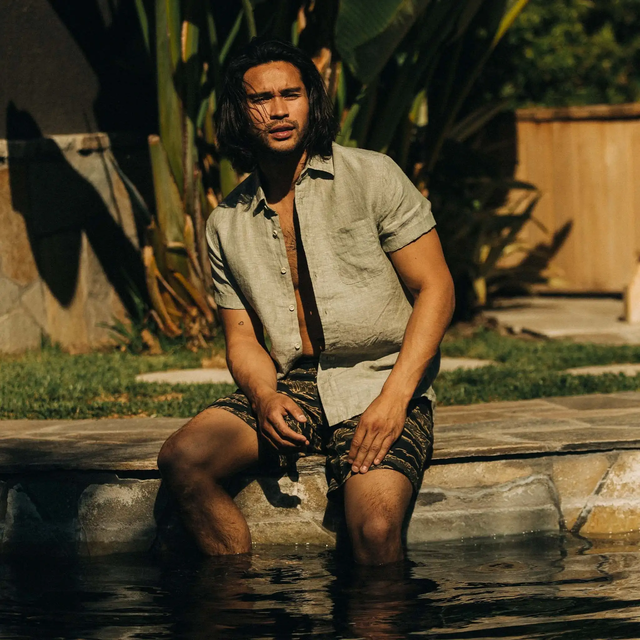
(571, 463)
(451, 364)
(581, 319)
(188, 376)
(217, 376)
(491, 430)
(625, 369)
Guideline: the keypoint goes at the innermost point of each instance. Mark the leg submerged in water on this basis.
(375, 506)
(211, 447)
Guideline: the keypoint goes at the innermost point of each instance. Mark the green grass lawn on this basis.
(529, 368)
(53, 384)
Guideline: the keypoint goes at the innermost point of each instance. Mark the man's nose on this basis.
(279, 108)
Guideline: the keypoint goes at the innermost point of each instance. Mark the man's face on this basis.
(278, 106)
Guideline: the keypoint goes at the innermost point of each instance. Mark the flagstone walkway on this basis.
(583, 319)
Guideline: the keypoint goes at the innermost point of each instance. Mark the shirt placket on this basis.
(310, 224)
(294, 339)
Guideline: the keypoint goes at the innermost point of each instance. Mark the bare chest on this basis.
(291, 236)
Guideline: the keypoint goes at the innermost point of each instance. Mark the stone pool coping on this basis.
(588, 423)
(567, 463)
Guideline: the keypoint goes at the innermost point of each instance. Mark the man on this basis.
(322, 247)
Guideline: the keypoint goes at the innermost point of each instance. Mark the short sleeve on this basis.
(404, 214)
(226, 292)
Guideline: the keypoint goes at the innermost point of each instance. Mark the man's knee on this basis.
(181, 453)
(214, 442)
(377, 531)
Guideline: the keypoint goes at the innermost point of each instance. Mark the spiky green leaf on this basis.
(367, 33)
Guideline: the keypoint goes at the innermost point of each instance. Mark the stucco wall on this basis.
(69, 256)
(74, 67)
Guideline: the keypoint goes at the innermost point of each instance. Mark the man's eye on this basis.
(259, 100)
(292, 95)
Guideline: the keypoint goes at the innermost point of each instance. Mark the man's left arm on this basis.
(421, 266)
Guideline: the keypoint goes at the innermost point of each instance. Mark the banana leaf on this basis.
(168, 37)
(169, 208)
(367, 33)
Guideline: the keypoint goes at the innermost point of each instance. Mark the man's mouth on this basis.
(282, 132)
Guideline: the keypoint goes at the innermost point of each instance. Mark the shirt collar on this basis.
(318, 164)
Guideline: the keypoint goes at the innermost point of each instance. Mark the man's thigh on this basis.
(271, 459)
(379, 493)
(409, 455)
(216, 440)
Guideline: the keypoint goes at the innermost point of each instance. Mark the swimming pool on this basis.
(542, 586)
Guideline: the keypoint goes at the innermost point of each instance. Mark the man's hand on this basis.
(271, 411)
(379, 427)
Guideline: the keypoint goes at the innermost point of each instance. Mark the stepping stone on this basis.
(596, 320)
(451, 364)
(188, 376)
(626, 369)
(222, 376)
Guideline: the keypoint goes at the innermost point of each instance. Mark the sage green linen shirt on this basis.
(353, 209)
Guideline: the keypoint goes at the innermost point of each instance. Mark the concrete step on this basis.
(582, 319)
(92, 486)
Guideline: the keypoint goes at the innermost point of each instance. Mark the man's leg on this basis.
(212, 446)
(375, 506)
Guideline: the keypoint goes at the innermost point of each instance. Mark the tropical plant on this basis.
(569, 52)
(187, 174)
(399, 72)
(480, 215)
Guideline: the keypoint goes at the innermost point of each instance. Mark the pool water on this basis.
(527, 587)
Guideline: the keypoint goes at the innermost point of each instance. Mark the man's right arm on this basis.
(254, 371)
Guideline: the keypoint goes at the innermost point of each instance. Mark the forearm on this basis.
(252, 368)
(431, 315)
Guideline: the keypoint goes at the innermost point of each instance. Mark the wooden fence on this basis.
(586, 163)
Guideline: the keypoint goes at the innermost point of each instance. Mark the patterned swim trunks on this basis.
(410, 454)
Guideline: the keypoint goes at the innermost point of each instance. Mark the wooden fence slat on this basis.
(588, 170)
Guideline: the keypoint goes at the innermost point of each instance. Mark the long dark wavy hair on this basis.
(232, 118)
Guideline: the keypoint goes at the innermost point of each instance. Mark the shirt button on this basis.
(275, 234)
(283, 271)
(297, 347)
(291, 308)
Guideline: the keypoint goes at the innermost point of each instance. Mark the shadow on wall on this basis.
(59, 205)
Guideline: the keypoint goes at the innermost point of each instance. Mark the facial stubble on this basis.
(262, 147)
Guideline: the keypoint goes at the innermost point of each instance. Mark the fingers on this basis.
(356, 442)
(295, 438)
(374, 455)
(369, 446)
(274, 439)
(293, 409)
(275, 428)
(387, 443)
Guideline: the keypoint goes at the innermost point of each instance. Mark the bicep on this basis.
(421, 264)
(403, 214)
(241, 325)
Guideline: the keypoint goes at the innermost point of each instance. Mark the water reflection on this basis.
(541, 587)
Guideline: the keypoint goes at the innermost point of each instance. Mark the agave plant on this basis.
(188, 175)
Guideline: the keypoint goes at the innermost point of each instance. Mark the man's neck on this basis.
(278, 176)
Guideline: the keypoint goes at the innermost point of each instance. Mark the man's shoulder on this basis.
(362, 168)
(358, 157)
(242, 196)
(240, 199)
